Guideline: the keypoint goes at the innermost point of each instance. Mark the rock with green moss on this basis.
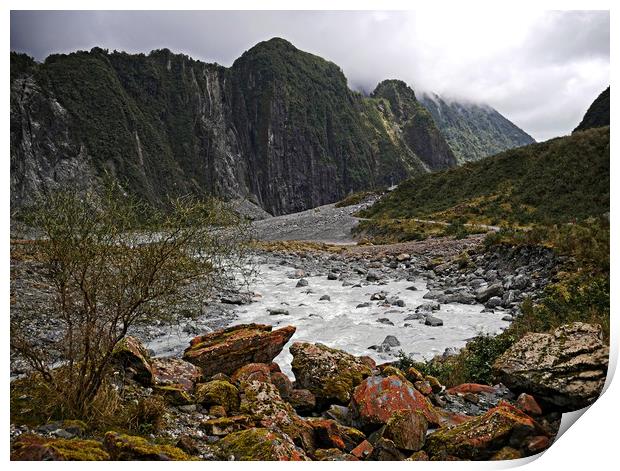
(566, 368)
(175, 395)
(223, 426)
(330, 374)
(259, 444)
(134, 358)
(484, 436)
(123, 447)
(220, 393)
(263, 403)
(29, 447)
(407, 429)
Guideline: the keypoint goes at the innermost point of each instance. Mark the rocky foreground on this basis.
(227, 400)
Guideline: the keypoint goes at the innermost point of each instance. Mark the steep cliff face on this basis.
(598, 113)
(416, 124)
(473, 131)
(279, 127)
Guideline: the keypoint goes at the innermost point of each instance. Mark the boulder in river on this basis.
(330, 374)
(433, 321)
(566, 368)
(226, 350)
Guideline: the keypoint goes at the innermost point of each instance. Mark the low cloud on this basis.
(540, 69)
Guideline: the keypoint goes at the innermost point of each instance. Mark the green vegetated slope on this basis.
(473, 131)
(557, 181)
(598, 113)
(280, 126)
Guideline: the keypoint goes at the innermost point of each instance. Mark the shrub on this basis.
(108, 276)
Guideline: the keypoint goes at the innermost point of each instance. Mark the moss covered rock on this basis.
(259, 444)
(330, 374)
(407, 429)
(566, 368)
(134, 358)
(223, 426)
(482, 437)
(174, 394)
(30, 447)
(128, 448)
(263, 403)
(220, 393)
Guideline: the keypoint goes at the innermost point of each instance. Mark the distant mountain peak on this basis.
(597, 114)
(472, 129)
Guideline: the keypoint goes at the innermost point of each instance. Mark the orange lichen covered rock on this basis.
(377, 398)
(227, 350)
(174, 371)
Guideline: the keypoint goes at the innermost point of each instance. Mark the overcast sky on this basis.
(539, 69)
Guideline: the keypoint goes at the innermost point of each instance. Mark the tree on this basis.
(114, 262)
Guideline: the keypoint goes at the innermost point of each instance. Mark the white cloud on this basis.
(540, 69)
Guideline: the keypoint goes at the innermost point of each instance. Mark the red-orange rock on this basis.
(363, 450)
(528, 404)
(330, 434)
(538, 443)
(377, 398)
(252, 372)
(227, 350)
(470, 388)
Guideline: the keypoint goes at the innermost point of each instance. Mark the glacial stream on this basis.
(339, 323)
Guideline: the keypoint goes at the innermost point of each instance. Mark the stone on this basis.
(174, 371)
(403, 257)
(424, 387)
(377, 398)
(330, 374)
(134, 358)
(325, 297)
(328, 433)
(411, 288)
(332, 276)
(123, 447)
(222, 426)
(362, 305)
(283, 383)
(377, 296)
(263, 403)
(301, 283)
(302, 400)
(219, 393)
(565, 369)
(470, 388)
(173, 395)
(493, 302)
(30, 447)
(485, 293)
(385, 320)
(259, 444)
(385, 450)
(391, 340)
(373, 275)
(226, 350)
(252, 372)
(482, 437)
(363, 450)
(433, 321)
(278, 312)
(406, 429)
(528, 404)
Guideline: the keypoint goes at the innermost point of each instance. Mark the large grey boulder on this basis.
(565, 369)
